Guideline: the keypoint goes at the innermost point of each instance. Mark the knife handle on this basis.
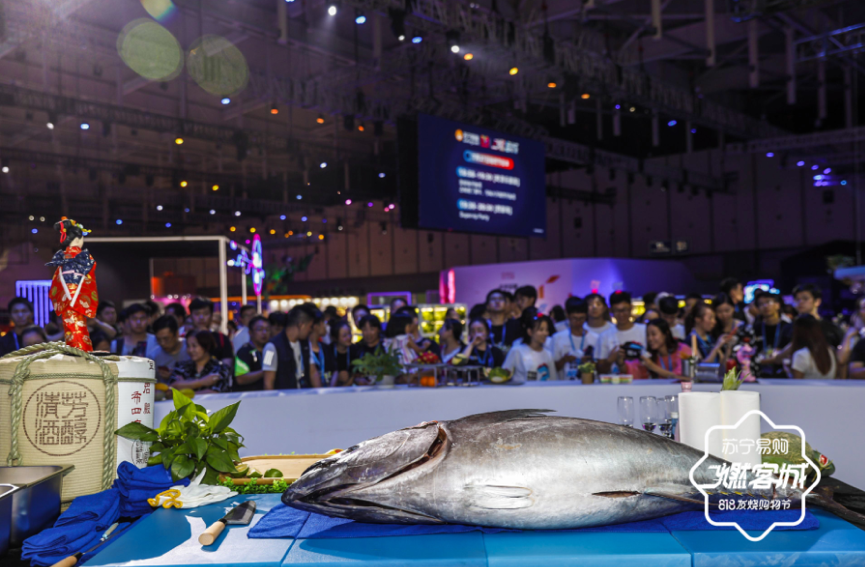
(210, 534)
(70, 561)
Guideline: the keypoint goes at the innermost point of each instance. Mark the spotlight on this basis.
(34, 230)
(281, 217)
(585, 96)
(618, 107)
(232, 229)
(552, 85)
(693, 130)
(369, 204)
(237, 213)
(226, 101)
(158, 207)
(348, 201)
(5, 169)
(453, 40)
(815, 167)
(49, 125)
(178, 141)
(52, 120)
(468, 56)
(828, 170)
(168, 225)
(320, 119)
(321, 237)
(212, 212)
(299, 197)
(416, 39)
(119, 222)
(331, 10)
(381, 175)
(215, 187)
(303, 219)
(843, 182)
(31, 218)
(85, 126)
(252, 229)
(632, 109)
(272, 231)
(514, 71)
(770, 154)
(800, 163)
(397, 22)
(183, 184)
(360, 20)
(671, 123)
(274, 110)
(322, 164)
(401, 37)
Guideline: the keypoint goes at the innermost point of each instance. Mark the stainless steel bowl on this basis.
(36, 504)
(7, 493)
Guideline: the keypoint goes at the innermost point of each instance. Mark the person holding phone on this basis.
(480, 351)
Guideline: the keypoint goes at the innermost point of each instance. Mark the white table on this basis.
(831, 412)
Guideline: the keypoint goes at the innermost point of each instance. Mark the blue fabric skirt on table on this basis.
(286, 522)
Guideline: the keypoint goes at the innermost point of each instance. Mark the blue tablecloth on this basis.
(285, 522)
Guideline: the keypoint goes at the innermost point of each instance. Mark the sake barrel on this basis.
(62, 406)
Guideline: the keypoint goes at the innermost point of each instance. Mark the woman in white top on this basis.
(449, 338)
(531, 361)
(812, 355)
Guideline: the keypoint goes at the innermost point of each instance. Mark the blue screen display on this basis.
(472, 179)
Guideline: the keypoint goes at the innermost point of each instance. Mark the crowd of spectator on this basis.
(308, 348)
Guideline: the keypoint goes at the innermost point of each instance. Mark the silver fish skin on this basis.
(512, 469)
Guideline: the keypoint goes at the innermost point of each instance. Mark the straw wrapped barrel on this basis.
(59, 406)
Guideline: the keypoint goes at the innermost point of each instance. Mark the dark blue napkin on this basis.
(137, 485)
(46, 560)
(80, 526)
(748, 520)
(283, 522)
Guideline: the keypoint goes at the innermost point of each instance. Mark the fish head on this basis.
(330, 486)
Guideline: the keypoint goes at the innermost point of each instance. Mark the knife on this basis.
(241, 514)
(73, 559)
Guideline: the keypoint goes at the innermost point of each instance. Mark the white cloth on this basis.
(241, 337)
(562, 325)
(804, 363)
(192, 496)
(601, 339)
(527, 364)
(678, 332)
(270, 359)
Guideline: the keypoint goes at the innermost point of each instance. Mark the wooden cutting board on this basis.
(291, 466)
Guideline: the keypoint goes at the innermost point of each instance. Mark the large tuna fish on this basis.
(512, 469)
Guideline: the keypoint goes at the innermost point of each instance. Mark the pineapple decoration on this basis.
(73, 288)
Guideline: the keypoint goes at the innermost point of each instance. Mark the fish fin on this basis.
(494, 497)
(616, 494)
(676, 492)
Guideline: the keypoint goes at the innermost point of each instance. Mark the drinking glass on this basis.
(671, 404)
(626, 411)
(648, 412)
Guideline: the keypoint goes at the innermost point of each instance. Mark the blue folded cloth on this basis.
(46, 559)
(77, 528)
(137, 485)
(285, 522)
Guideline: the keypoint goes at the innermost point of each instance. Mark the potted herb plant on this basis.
(384, 366)
(587, 372)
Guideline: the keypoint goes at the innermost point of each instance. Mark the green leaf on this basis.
(156, 448)
(154, 460)
(211, 476)
(167, 457)
(134, 431)
(179, 399)
(181, 467)
(219, 460)
(199, 447)
(165, 421)
(222, 418)
(187, 412)
(220, 442)
(150, 437)
(175, 428)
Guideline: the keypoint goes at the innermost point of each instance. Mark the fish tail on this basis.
(824, 498)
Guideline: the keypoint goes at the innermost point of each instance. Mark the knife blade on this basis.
(73, 559)
(241, 514)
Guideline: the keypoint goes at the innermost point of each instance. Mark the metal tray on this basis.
(36, 504)
(7, 493)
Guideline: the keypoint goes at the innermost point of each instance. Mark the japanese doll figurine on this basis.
(73, 288)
